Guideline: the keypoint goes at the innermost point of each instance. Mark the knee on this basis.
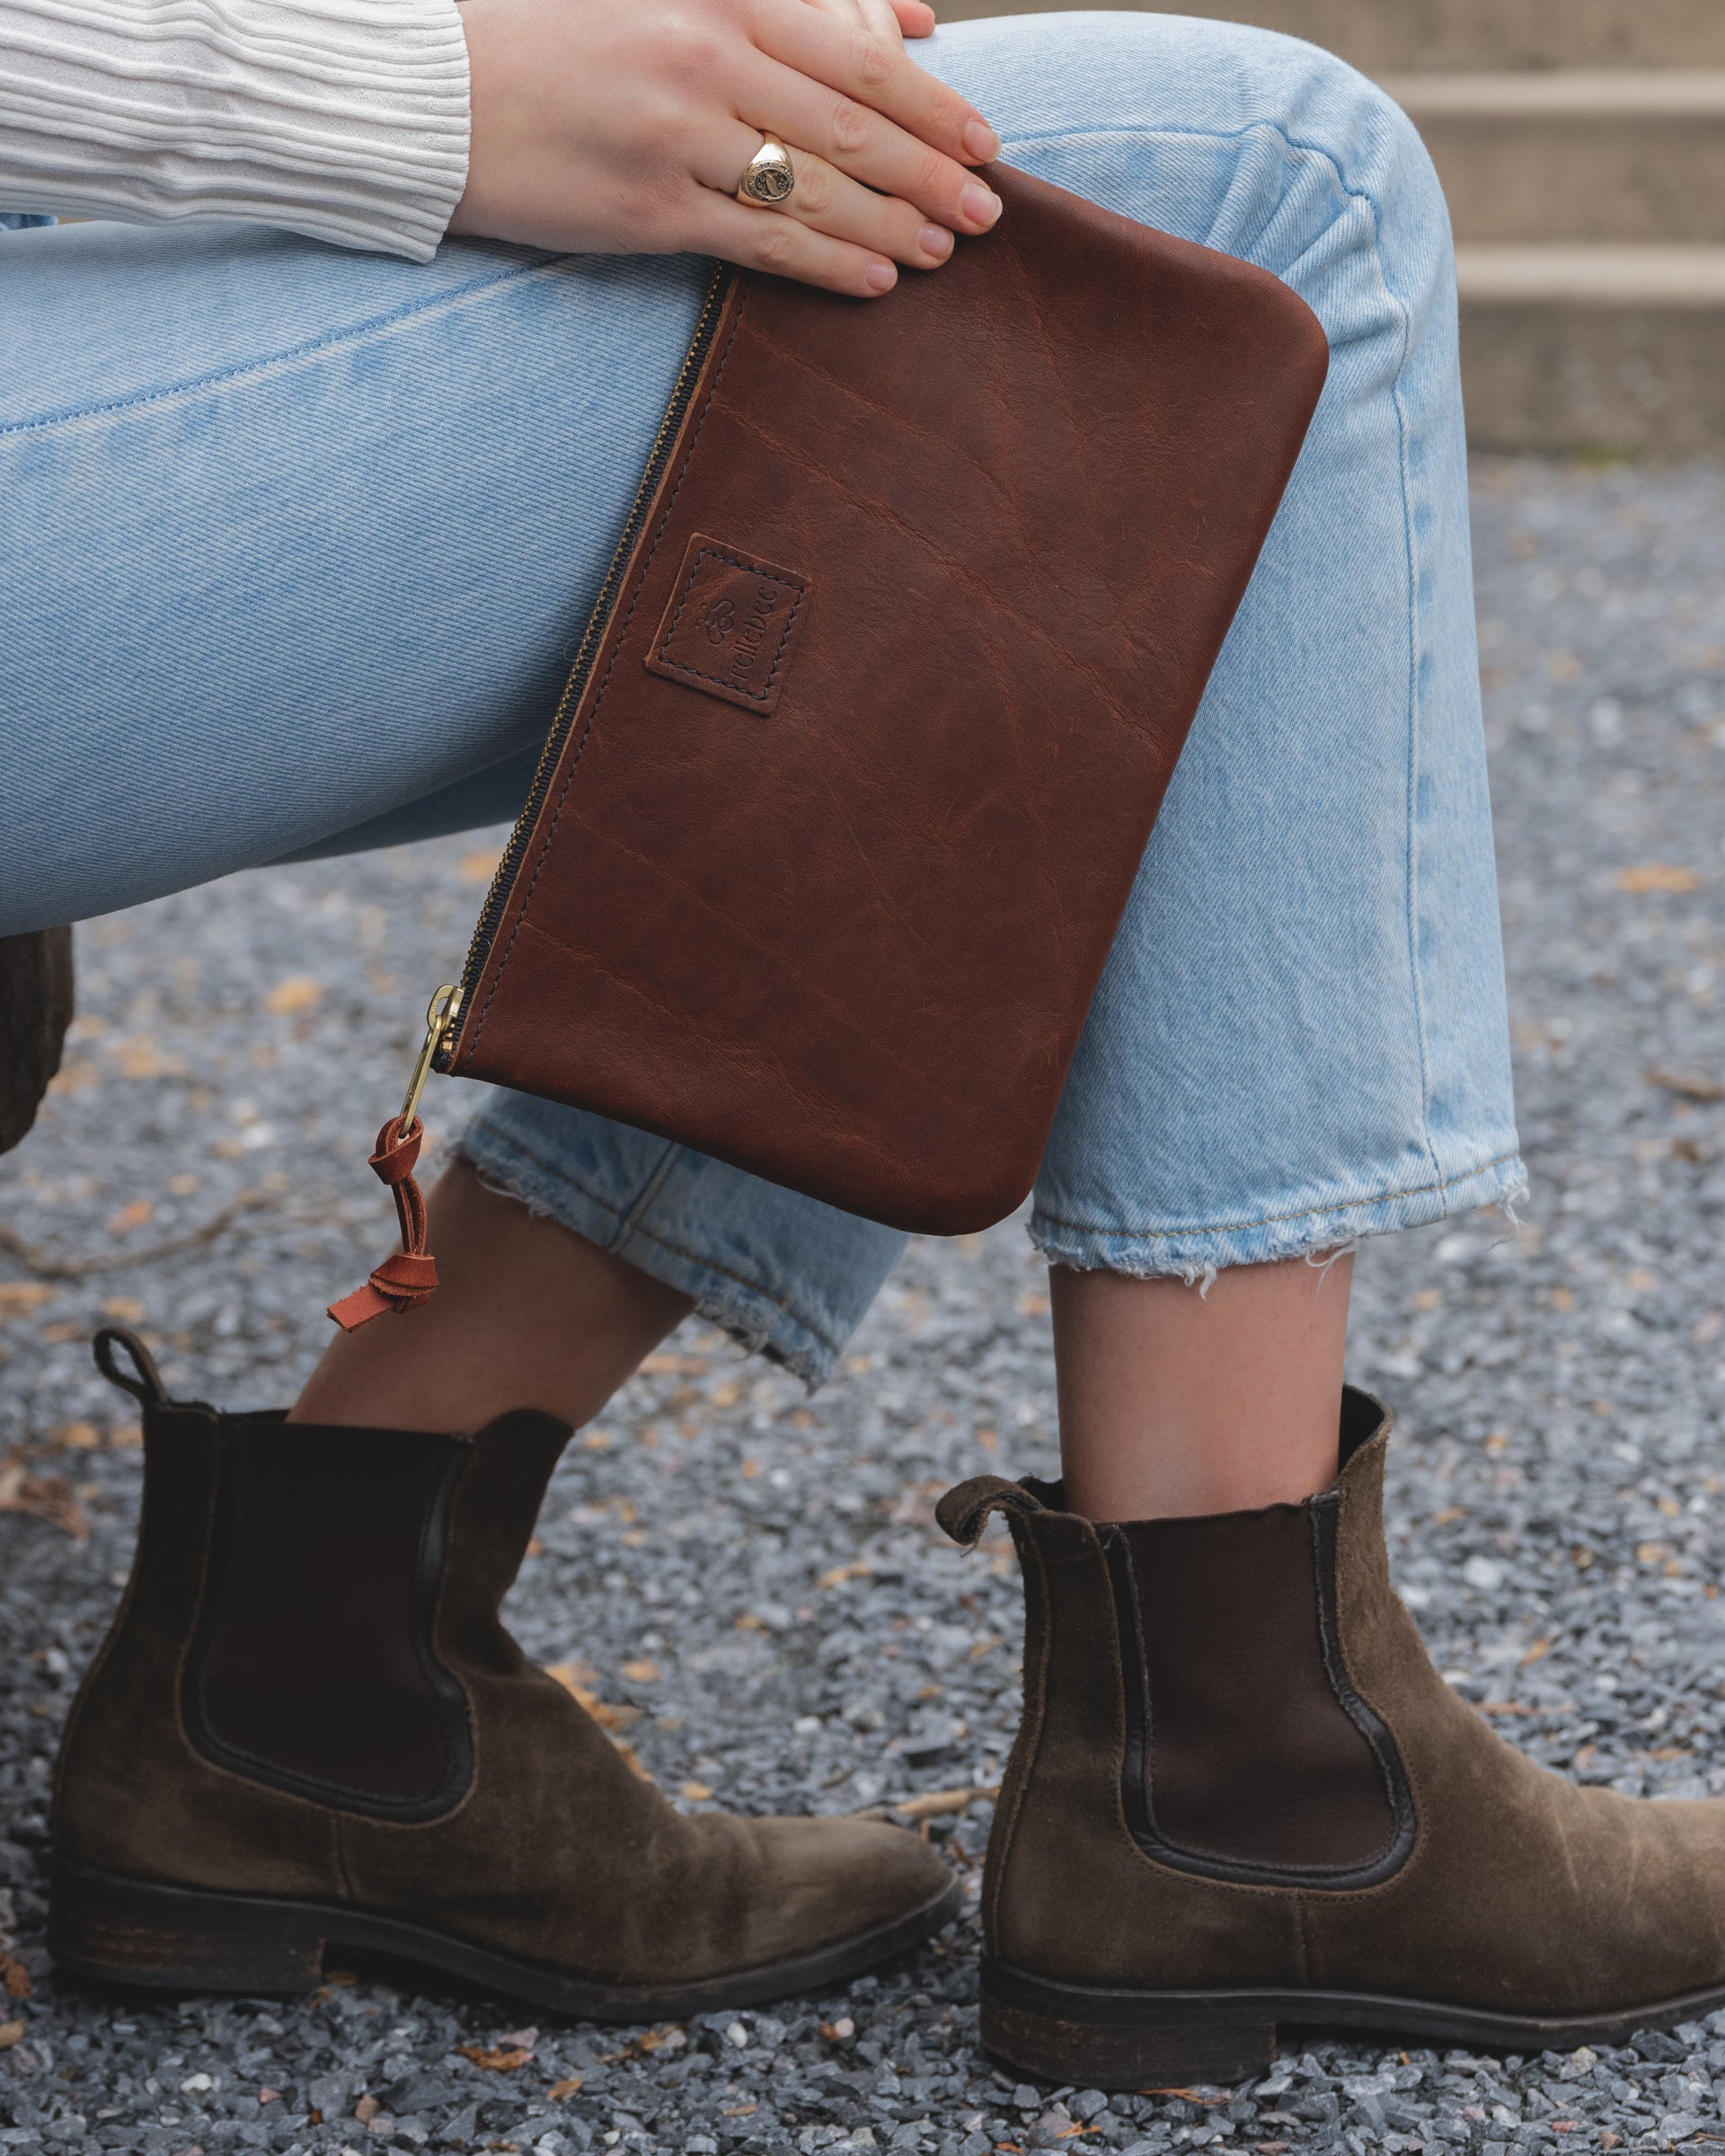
(1357, 172)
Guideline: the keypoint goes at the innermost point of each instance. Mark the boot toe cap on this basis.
(835, 1879)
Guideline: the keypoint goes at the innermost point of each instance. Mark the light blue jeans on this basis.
(308, 535)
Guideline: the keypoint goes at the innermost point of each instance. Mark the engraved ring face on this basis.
(769, 175)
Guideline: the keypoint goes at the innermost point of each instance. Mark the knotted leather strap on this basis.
(406, 1280)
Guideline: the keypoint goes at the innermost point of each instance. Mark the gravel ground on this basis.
(753, 1578)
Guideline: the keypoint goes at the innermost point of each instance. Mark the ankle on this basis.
(528, 1315)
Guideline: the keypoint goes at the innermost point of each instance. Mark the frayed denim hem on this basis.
(761, 1319)
(1197, 1254)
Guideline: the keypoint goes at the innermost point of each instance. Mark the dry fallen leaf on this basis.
(505, 2059)
(1537, 1651)
(1688, 1085)
(935, 1804)
(127, 1310)
(18, 1298)
(569, 1674)
(131, 1216)
(367, 2110)
(697, 1792)
(142, 1059)
(10, 2033)
(643, 1672)
(47, 1497)
(299, 992)
(15, 1977)
(559, 2089)
(477, 868)
(1658, 876)
(598, 1441)
(858, 1568)
(81, 1436)
(632, 1759)
(684, 1366)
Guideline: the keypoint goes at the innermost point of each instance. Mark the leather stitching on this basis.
(765, 692)
(1021, 1767)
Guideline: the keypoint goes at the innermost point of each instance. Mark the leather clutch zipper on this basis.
(454, 1002)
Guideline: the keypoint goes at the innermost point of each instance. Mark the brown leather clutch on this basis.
(845, 795)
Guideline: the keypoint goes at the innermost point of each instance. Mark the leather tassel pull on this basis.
(405, 1280)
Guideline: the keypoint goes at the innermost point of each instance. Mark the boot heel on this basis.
(1122, 2053)
(175, 1938)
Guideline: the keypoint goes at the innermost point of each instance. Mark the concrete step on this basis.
(1401, 36)
(1607, 351)
(1571, 155)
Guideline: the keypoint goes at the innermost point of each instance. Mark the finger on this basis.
(866, 144)
(915, 18)
(874, 16)
(875, 72)
(758, 240)
(830, 201)
(881, 18)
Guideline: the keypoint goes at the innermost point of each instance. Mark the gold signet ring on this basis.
(769, 176)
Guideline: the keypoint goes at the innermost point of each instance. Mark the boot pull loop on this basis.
(962, 1511)
(146, 1386)
(408, 1278)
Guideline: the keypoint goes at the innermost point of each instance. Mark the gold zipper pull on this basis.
(439, 1019)
(405, 1280)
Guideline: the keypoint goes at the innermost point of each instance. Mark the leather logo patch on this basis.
(732, 624)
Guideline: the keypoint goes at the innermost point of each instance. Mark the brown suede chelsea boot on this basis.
(1241, 1796)
(307, 1729)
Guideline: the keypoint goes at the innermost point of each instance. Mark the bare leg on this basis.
(528, 1315)
(1174, 1403)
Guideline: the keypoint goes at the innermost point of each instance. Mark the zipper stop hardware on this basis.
(440, 1016)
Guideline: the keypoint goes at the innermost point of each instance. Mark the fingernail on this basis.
(980, 140)
(935, 239)
(980, 205)
(879, 276)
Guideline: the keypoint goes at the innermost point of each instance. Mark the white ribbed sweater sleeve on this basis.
(343, 119)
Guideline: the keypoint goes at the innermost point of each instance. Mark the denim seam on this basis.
(630, 1220)
(337, 340)
(1269, 1220)
(677, 1250)
(1367, 201)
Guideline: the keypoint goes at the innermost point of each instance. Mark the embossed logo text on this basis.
(730, 624)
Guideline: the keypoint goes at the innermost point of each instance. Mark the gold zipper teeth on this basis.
(597, 620)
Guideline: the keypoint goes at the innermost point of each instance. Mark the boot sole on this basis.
(129, 1931)
(1148, 2040)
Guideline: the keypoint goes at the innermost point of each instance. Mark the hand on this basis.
(624, 129)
